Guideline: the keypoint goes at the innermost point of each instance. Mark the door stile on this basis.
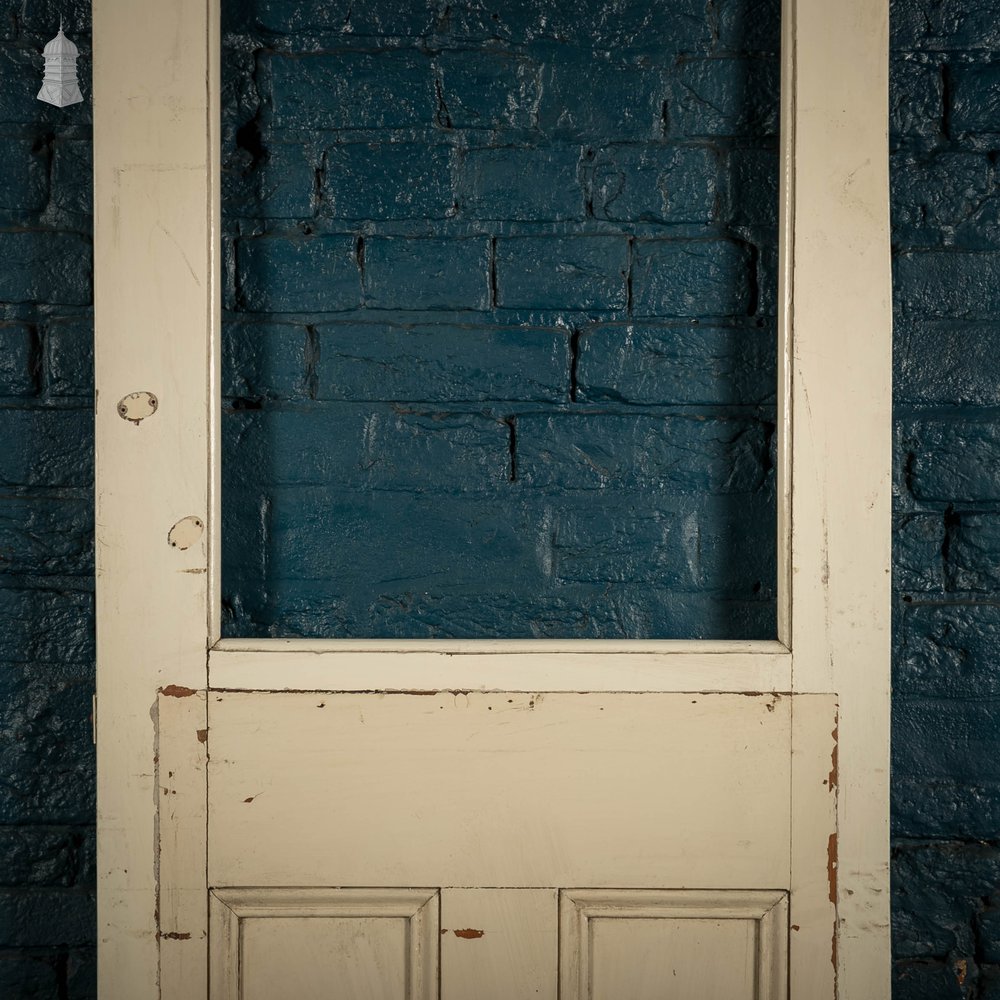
(838, 311)
(154, 312)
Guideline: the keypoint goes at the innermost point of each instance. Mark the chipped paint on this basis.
(175, 936)
(177, 691)
(202, 735)
(469, 933)
(961, 970)
(831, 867)
(834, 777)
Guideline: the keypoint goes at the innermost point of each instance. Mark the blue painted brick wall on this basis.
(945, 84)
(47, 866)
(499, 340)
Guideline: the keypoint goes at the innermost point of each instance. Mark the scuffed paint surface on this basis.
(500, 318)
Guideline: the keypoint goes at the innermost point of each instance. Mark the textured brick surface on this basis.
(505, 277)
(47, 870)
(946, 792)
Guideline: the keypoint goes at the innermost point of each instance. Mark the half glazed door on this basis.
(611, 820)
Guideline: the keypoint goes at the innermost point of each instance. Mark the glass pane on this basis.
(499, 330)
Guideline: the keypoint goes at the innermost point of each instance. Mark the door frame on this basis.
(158, 316)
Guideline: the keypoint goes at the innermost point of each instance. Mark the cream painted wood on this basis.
(499, 943)
(554, 790)
(155, 300)
(837, 320)
(307, 665)
(643, 944)
(182, 818)
(156, 88)
(367, 944)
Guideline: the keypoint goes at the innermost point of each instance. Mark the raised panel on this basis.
(688, 945)
(362, 944)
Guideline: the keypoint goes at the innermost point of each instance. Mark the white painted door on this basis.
(368, 819)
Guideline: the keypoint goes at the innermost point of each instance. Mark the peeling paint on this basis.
(834, 778)
(177, 691)
(831, 867)
(469, 933)
(176, 936)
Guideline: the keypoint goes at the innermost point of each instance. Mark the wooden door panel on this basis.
(654, 790)
(359, 944)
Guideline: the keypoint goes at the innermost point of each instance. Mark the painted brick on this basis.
(45, 266)
(441, 363)
(655, 184)
(622, 611)
(39, 855)
(954, 460)
(47, 448)
(426, 273)
(18, 361)
(724, 97)
(948, 651)
(690, 278)
(988, 928)
(265, 360)
(375, 446)
(487, 90)
(945, 25)
(941, 808)
(46, 917)
(749, 25)
(68, 351)
(939, 888)
(533, 183)
(938, 740)
(931, 980)
(716, 366)
(45, 534)
(648, 454)
(403, 180)
(27, 976)
(948, 283)
(24, 182)
(285, 184)
(679, 26)
(522, 541)
(944, 362)
(946, 198)
(295, 17)
(570, 272)
(916, 99)
(298, 274)
(46, 626)
(40, 15)
(587, 97)
(350, 90)
(917, 562)
(72, 175)
(975, 99)
(45, 742)
(753, 187)
(708, 544)
(81, 974)
(974, 554)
